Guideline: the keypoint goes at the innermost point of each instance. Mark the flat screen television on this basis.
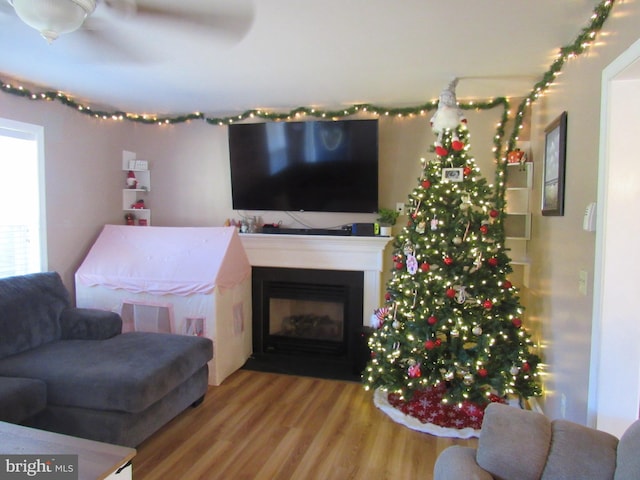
(316, 166)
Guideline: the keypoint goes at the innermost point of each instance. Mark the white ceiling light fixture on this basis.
(52, 18)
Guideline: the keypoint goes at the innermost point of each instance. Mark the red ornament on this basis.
(493, 261)
(425, 267)
(441, 151)
(457, 145)
(426, 184)
(438, 342)
(429, 345)
(516, 322)
(448, 261)
(466, 171)
(488, 304)
(494, 213)
(387, 296)
(484, 229)
(483, 372)
(399, 265)
(507, 285)
(526, 367)
(432, 320)
(451, 292)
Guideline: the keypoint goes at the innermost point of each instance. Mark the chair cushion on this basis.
(513, 443)
(580, 452)
(20, 398)
(127, 372)
(628, 462)
(458, 463)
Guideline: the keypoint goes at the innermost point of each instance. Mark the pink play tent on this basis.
(189, 281)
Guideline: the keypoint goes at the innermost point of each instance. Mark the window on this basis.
(22, 212)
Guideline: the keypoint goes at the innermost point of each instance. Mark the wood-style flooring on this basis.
(268, 426)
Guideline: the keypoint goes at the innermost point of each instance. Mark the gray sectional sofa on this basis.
(72, 371)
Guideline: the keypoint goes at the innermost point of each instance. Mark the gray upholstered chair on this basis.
(517, 444)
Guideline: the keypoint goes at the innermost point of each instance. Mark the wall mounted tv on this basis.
(316, 166)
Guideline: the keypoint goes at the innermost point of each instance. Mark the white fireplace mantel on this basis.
(325, 252)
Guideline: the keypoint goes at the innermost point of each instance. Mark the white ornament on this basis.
(477, 330)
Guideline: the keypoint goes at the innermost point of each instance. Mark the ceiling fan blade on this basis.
(231, 20)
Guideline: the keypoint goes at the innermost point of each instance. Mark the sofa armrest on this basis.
(459, 463)
(89, 324)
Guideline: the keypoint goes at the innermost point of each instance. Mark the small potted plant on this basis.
(387, 218)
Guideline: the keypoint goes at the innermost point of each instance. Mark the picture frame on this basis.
(452, 175)
(553, 173)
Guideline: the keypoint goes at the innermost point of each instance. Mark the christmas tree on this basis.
(451, 327)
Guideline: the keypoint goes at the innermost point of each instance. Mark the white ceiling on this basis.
(290, 53)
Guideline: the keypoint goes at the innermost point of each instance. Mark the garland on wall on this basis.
(582, 42)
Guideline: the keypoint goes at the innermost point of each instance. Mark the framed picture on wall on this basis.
(555, 149)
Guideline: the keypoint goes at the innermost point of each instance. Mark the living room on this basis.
(189, 163)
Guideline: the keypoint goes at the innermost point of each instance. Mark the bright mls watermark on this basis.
(49, 467)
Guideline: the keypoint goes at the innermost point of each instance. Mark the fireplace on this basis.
(308, 318)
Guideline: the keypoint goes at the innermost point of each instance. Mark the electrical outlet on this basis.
(400, 208)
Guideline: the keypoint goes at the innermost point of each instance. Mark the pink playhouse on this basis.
(188, 281)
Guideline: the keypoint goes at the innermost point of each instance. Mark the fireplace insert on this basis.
(305, 317)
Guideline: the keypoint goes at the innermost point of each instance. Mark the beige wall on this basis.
(560, 248)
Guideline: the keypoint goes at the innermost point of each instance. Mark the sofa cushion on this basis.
(513, 443)
(580, 452)
(20, 398)
(127, 372)
(628, 461)
(30, 306)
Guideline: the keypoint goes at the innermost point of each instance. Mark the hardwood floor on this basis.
(269, 426)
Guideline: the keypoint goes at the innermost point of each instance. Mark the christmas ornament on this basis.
(494, 213)
(493, 262)
(451, 292)
(483, 372)
(516, 322)
(468, 379)
(448, 116)
(412, 264)
(377, 319)
(425, 267)
(457, 240)
(484, 229)
(448, 261)
(414, 371)
(421, 227)
(514, 370)
(461, 295)
(487, 304)
(426, 184)
(477, 330)
(507, 284)
(432, 320)
(466, 171)
(429, 344)
(434, 224)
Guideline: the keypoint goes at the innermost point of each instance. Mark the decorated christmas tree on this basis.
(450, 338)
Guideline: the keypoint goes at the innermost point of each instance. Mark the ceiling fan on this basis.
(53, 18)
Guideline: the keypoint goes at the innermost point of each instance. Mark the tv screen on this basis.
(317, 166)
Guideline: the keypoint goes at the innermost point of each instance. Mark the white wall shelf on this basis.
(517, 222)
(130, 196)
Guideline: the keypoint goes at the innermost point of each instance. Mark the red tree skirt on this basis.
(426, 412)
